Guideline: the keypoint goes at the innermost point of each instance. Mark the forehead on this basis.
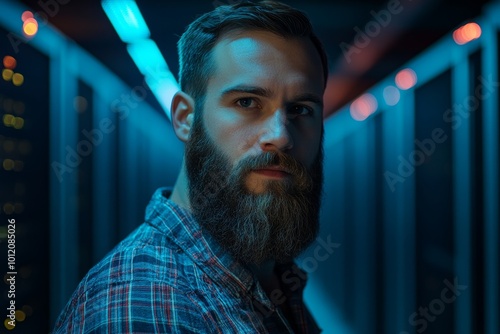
(266, 59)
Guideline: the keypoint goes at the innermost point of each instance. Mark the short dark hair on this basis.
(197, 42)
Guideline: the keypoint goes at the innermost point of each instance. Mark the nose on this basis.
(275, 134)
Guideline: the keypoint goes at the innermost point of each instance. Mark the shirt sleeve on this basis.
(134, 307)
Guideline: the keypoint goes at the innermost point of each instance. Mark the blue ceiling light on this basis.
(164, 87)
(152, 65)
(132, 29)
(127, 19)
(147, 56)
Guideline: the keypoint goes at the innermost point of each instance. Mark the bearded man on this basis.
(215, 254)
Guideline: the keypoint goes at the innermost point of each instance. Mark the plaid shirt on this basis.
(168, 277)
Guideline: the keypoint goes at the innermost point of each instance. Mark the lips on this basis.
(273, 171)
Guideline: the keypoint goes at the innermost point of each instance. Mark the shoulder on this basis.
(134, 307)
(145, 255)
(146, 284)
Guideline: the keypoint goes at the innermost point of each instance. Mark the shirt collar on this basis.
(185, 232)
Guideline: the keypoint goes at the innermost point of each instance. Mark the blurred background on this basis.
(410, 235)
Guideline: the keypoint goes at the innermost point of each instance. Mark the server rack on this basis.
(411, 197)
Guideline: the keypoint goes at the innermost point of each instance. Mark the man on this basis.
(215, 253)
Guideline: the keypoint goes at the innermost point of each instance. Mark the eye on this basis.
(300, 110)
(247, 102)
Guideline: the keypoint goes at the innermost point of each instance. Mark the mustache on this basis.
(274, 159)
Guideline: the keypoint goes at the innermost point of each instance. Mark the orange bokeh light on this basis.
(30, 27)
(26, 15)
(406, 79)
(363, 106)
(9, 62)
(467, 33)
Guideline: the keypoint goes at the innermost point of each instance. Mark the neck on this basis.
(180, 193)
(263, 270)
(265, 275)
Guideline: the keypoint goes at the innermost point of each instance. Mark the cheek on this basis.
(230, 134)
(307, 142)
(241, 142)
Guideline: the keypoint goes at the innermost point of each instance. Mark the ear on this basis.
(182, 111)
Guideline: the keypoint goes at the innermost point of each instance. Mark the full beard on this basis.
(277, 224)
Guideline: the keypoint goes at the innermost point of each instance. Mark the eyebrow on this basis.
(308, 97)
(259, 91)
(264, 92)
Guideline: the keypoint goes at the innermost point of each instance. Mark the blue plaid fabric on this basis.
(168, 277)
